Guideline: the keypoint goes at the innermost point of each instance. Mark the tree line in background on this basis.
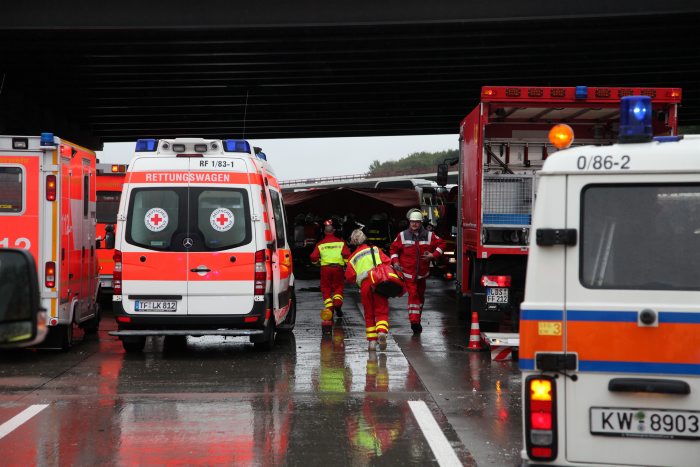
(416, 163)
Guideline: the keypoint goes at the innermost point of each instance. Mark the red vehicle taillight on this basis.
(260, 273)
(50, 274)
(117, 274)
(540, 417)
(50, 188)
(495, 281)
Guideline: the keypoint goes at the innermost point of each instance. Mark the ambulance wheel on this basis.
(266, 342)
(290, 320)
(133, 344)
(60, 336)
(91, 326)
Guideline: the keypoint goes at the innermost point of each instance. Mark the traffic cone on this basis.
(475, 334)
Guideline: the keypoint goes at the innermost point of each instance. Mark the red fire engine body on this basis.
(503, 143)
(110, 179)
(47, 206)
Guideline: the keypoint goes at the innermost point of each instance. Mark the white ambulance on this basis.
(201, 246)
(610, 325)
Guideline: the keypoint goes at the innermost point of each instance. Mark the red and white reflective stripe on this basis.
(439, 250)
(394, 256)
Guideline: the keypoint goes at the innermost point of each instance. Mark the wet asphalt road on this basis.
(311, 401)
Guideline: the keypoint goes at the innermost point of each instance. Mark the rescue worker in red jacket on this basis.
(376, 306)
(411, 253)
(332, 253)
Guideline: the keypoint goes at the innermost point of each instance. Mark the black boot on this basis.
(339, 312)
(417, 328)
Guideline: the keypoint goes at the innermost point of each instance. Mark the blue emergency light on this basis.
(635, 119)
(236, 145)
(146, 145)
(581, 92)
(261, 155)
(46, 139)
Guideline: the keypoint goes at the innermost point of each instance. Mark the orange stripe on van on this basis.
(233, 178)
(531, 340)
(668, 343)
(162, 266)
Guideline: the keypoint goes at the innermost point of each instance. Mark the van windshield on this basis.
(107, 206)
(188, 219)
(641, 237)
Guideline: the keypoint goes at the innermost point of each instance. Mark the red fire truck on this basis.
(503, 144)
(47, 206)
(110, 179)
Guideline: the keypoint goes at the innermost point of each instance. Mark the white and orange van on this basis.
(47, 206)
(201, 247)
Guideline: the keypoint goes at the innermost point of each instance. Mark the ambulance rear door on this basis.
(222, 256)
(632, 319)
(156, 237)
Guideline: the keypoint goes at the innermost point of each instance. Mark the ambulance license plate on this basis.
(155, 305)
(496, 295)
(645, 423)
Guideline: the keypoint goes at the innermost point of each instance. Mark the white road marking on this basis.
(22, 417)
(444, 453)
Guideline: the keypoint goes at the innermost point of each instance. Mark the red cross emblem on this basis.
(156, 219)
(222, 219)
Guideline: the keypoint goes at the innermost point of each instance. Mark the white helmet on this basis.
(415, 215)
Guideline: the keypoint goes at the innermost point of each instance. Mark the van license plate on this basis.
(496, 295)
(155, 305)
(645, 423)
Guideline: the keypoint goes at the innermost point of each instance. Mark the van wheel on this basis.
(91, 326)
(60, 336)
(133, 344)
(267, 341)
(290, 320)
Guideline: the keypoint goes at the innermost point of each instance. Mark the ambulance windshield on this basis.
(641, 236)
(107, 206)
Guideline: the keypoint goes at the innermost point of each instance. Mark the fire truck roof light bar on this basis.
(635, 119)
(576, 94)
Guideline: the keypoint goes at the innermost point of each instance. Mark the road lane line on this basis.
(444, 453)
(22, 417)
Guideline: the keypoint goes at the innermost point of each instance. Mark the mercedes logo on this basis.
(187, 243)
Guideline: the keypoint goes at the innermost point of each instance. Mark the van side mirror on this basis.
(22, 320)
(442, 174)
(109, 236)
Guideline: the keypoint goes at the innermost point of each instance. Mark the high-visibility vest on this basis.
(362, 262)
(331, 253)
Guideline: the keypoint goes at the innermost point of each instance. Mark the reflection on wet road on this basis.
(313, 400)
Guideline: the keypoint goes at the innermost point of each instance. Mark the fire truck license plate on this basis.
(496, 295)
(645, 423)
(155, 305)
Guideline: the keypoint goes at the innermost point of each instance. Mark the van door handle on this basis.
(655, 386)
(200, 269)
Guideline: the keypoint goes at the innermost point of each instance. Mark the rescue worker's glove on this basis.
(427, 256)
(397, 267)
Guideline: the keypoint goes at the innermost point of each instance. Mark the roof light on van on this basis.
(262, 155)
(146, 145)
(47, 139)
(236, 145)
(635, 119)
(581, 92)
(200, 148)
(179, 147)
(561, 136)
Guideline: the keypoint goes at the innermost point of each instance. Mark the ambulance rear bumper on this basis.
(188, 332)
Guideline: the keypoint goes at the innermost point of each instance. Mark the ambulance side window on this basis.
(154, 216)
(279, 218)
(11, 190)
(221, 217)
(86, 194)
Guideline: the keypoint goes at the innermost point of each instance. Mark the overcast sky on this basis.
(321, 157)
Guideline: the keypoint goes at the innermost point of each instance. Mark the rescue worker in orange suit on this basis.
(376, 306)
(411, 253)
(332, 253)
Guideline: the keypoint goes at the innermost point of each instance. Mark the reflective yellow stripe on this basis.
(362, 262)
(337, 297)
(371, 334)
(383, 323)
(371, 329)
(331, 253)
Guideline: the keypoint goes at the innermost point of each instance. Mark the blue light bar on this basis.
(261, 155)
(635, 119)
(47, 139)
(146, 145)
(668, 139)
(581, 92)
(236, 145)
